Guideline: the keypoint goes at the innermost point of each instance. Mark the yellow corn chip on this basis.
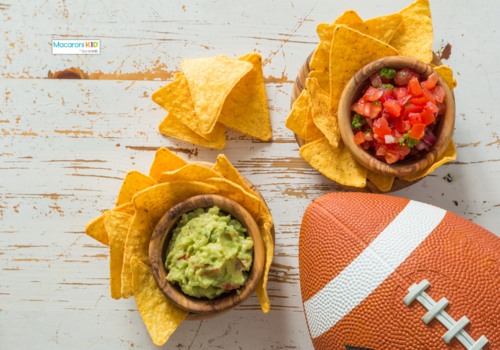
(95, 228)
(414, 37)
(157, 200)
(449, 154)
(261, 288)
(116, 225)
(134, 182)
(383, 182)
(337, 164)
(176, 99)
(323, 78)
(326, 122)
(381, 28)
(321, 56)
(227, 170)
(165, 161)
(351, 51)
(172, 126)
(190, 172)
(159, 314)
(229, 189)
(297, 118)
(312, 131)
(136, 246)
(245, 109)
(447, 74)
(210, 81)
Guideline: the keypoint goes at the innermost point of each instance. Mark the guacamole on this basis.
(209, 253)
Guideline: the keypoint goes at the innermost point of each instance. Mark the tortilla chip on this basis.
(415, 37)
(190, 172)
(127, 208)
(224, 167)
(449, 154)
(211, 80)
(116, 225)
(134, 182)
(447, 74)
(323, 78)
(176, 99)
(296, 120)
(312, 131)
(95, 228)
(159, 314)
(261, 288)
(159, 199)
(326, 122)
(229, 189)
(245, 109)
(383, 182)
(351, 51)
(136, 246)
(381, 28)
(337, 164)
(321, 56)
(165, 161)
(172, 126)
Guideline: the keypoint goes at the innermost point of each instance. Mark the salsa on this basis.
(398, 114)
(209, 253)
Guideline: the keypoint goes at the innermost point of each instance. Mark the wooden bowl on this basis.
(159, 243)
(300, 84)
(352, 93)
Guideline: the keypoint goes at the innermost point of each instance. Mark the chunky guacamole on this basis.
(209, 253)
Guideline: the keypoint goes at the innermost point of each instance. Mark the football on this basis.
(381, 272)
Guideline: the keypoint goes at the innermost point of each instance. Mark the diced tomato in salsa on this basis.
(372, 94)
(415, 118)
(403, 77)
(432, 80)
(381, 127)
(418, 101)
(417, 131)
(399, 93)
(359, 138)
(427, 117)
(439, 93)
(397, 117)
(415, 88)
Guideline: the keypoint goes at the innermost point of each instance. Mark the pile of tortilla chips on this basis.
(214, 92)
(141, 203)
(347, 45)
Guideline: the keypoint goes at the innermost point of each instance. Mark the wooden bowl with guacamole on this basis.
(207, 254)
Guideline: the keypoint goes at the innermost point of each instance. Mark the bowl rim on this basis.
(162, 235)
(350, 93)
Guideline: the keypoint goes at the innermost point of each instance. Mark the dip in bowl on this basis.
(196, 251)
(209, 253)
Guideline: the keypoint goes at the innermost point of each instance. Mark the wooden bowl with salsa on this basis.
(236, 232)
(396, 116)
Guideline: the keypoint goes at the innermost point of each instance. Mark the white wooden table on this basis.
(65, 146)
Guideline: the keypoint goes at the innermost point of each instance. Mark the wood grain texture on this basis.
(398, 184)
(161, 238)
(66, 145)
(352, 93)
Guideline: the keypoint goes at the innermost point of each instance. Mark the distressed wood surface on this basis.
(65, 146)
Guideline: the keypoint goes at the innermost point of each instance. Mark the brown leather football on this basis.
(381, 272)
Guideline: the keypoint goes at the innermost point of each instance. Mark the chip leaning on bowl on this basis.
(214, 92)
(347, 45)
(141, 203)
